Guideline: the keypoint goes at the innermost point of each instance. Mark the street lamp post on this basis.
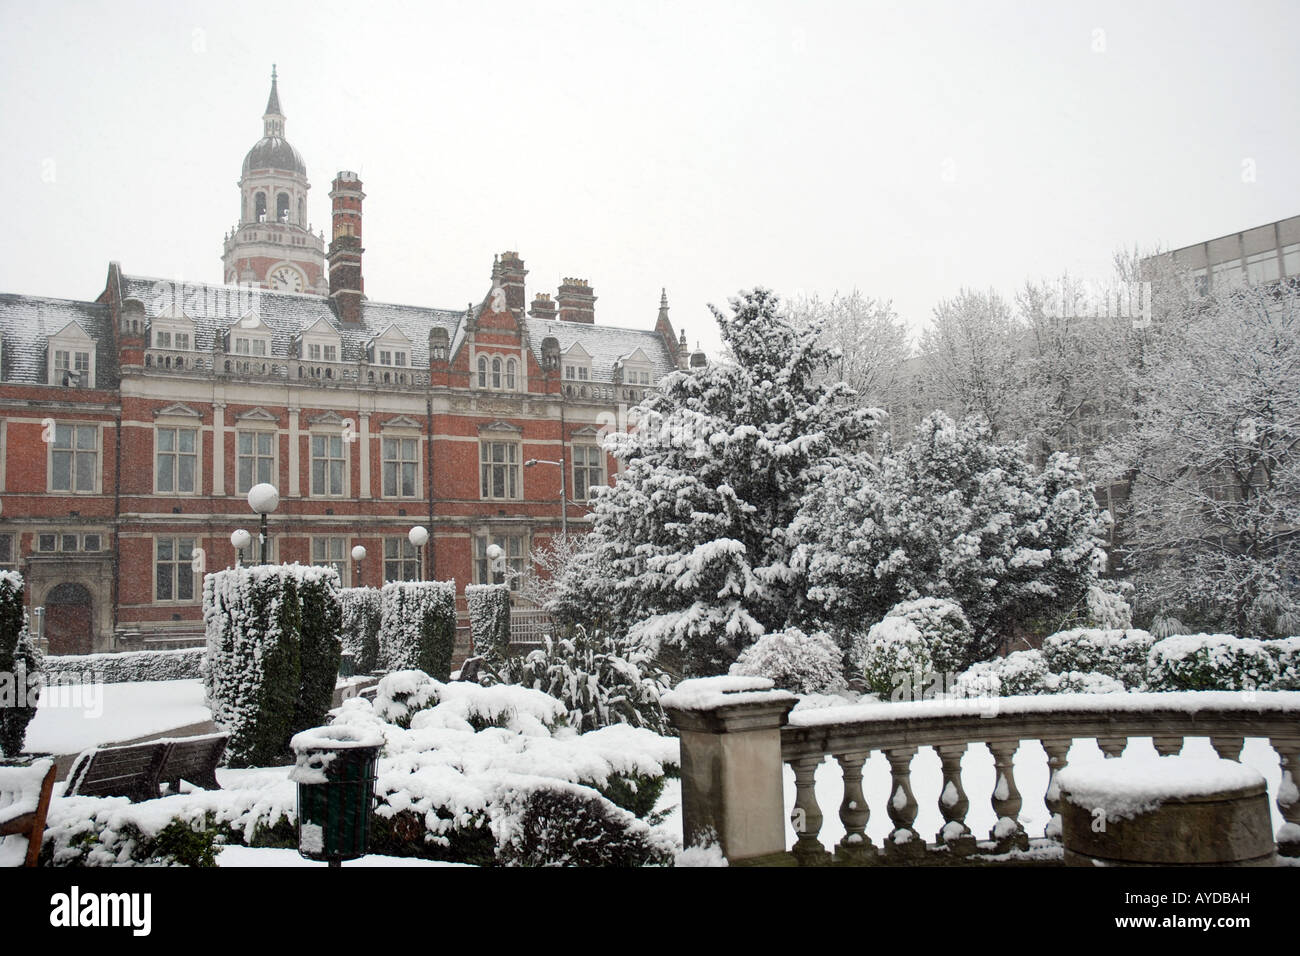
(564, 490)
(418, 536)
(241, 540)
(359, 555)
(263, 499)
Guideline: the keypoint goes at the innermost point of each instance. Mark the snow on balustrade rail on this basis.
(290, 369)
(850, 734)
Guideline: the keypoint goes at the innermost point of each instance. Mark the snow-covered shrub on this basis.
(417, 628)
(1210, 662)
(362, 610)
(599, 679)
(252, 672)
(402, 694)
(1167, 626)
(112, 837)
(553, 825)
(489, 619)
(123, 666)
(891, 654)
(1108, 609)
(1285, 652)
(20, 660)
(1081, 682)
(794, 661)
(1119, 654)
(1018, 674)
(473, 707)
(946, 631)
(321, 646)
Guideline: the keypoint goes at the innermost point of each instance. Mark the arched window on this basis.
(282, 207)
(496, 373)
(482, 372)
(510, 374)
(259, 207)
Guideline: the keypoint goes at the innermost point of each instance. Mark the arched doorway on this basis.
(69, 623)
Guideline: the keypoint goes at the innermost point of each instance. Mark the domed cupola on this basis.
(273, 151)
(273, 245)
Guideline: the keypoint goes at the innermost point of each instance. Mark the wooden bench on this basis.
(137, 771)
(194, 759)
(24, 802)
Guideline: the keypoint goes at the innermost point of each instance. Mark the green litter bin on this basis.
(335, 773)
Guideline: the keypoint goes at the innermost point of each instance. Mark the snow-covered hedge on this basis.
(362, 611)
(400, 695)
(272, 655)
(1285, 652)
(549, 825)
(892, 654)
(1019, 673)
(1119, 654)
(794, 661)
(489, 619)
(123, 666)
(1210, 662)
(321, 644)
(599, 680)
(946, 632)
(417, 628)
(20, 660)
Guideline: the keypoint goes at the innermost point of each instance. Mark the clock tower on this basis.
(273, 246)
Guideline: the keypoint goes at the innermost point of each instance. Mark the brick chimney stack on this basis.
(347, 288)
(512, 280)
(543, 306)
(577, 302)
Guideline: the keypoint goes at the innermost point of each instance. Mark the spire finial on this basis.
(273, 104)
(663, 298)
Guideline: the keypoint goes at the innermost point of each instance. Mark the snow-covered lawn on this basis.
(265, 856)
(977, 780)
(72, 717)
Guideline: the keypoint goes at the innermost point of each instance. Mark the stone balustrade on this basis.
(708, 715)
(278, 368)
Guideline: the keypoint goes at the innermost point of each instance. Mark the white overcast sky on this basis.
(906, 150)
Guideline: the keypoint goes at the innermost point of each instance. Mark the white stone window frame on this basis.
(496, 378)
(171, 324)
(389, 344)
(98, 452)
(328, 426)
(257, 422)
(590, 446)
(343, 565)
(176, 418)
(196, 581)
(397, 429)
(516, 566)
(71, 340)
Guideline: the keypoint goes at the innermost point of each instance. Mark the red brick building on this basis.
(133, 426)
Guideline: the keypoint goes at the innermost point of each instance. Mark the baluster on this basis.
(807, 815)
(904, 841)
(953, 802)
(1058, 751)
(1007, 833)
(1168, 746)
(1288, 795)
(1112, 746)
(1229, 748)
(856, 847)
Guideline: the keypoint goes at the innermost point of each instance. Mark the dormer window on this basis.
(576, 372)
(249, 346)
(72, 357)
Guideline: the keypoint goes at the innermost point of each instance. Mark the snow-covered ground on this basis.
(265, 856)
(72, 717)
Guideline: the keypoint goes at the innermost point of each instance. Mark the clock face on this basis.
(286, 279)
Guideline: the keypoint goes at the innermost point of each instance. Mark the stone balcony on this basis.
(736, 739)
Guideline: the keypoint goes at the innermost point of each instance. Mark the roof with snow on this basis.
(27, 322)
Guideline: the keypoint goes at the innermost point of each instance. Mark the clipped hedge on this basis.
(417, 628)
(321, 645)
(20, 666)
(253, 669)
(489, 620)
(125, 666)
(1119, 654)
(362, 612)
(1285, 652)
(1211, 662)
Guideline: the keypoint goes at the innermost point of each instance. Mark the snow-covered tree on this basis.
(971, 359)
(1213, 458)
(689, 550)
(871, 340)
(953, 514)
